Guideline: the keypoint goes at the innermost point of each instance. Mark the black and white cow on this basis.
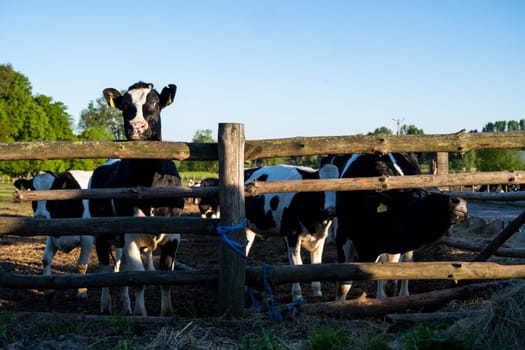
(209, 206)
(46, 209)
(302, 218)
(392, 222)
(141, 106)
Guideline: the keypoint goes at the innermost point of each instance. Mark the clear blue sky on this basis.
(283, 68)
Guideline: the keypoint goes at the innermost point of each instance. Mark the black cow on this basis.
(302, 218)
(392, 222)
(72, 179)
(140, 106)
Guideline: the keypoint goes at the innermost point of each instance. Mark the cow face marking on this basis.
(42, 181)
(274, 203)
(141, 107)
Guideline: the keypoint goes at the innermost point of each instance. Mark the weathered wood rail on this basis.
(380, 183)
(459, 142)
(231, 151)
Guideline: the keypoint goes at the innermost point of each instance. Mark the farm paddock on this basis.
(29, 321)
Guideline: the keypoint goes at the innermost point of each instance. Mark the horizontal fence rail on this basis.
(275, 275)
(120, 193)
(27, 227)
(460, 142)
(380, 183)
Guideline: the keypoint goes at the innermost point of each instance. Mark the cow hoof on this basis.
(167, 313)
(140, 313)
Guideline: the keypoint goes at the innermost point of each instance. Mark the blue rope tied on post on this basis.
(273, 311)
(223, 231)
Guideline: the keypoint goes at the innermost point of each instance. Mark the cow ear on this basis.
(113, 97)
(167, 95)
(22, 184)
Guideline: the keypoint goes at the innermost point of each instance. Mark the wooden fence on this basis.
(232, 151)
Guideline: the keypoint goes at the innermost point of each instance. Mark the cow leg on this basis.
(86, 243)
(103, 249)
(49, 253)
(148, 254)
(167, 262)
(294, 256)
(316, 257)
(125, 303)
(250, 237)
(344, 254)
(407, 257)
(381, 284)
(134, 263)
(315, 245)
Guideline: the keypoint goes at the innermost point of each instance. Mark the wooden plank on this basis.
(383, 183)
(278, 274)
(25, 226)
(231, 201)
(365, 307)
(46, 150)
(121, 193)
(380, 183)
(460, 142)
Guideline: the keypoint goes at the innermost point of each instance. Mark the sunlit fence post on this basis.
(231, 193)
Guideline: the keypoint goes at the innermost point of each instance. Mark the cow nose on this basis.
(139, 126)
(460, 210)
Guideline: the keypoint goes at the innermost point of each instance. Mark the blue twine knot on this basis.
(223, 231)
(273, 311)
(296, 303)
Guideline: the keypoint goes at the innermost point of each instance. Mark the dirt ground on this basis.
(24, 255)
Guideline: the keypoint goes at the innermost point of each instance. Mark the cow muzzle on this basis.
(459, 211)
(138, 128)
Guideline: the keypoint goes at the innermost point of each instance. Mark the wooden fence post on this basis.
(232, 273)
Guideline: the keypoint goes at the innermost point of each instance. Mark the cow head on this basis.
(42, 181)
(141, 106)
(329, 171)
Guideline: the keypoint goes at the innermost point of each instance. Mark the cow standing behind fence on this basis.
(141, 106)
(46, 209)
(302, 218)
(393, 222)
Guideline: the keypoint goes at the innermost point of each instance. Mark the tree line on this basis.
(25, 116)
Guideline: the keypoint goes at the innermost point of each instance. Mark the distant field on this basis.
(6, 188)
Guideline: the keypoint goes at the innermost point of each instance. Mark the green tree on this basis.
(59, 121)
(200, 136)
(101, 121)
(381, 130)
(411, 130)
(24, 117)
(499, 160)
